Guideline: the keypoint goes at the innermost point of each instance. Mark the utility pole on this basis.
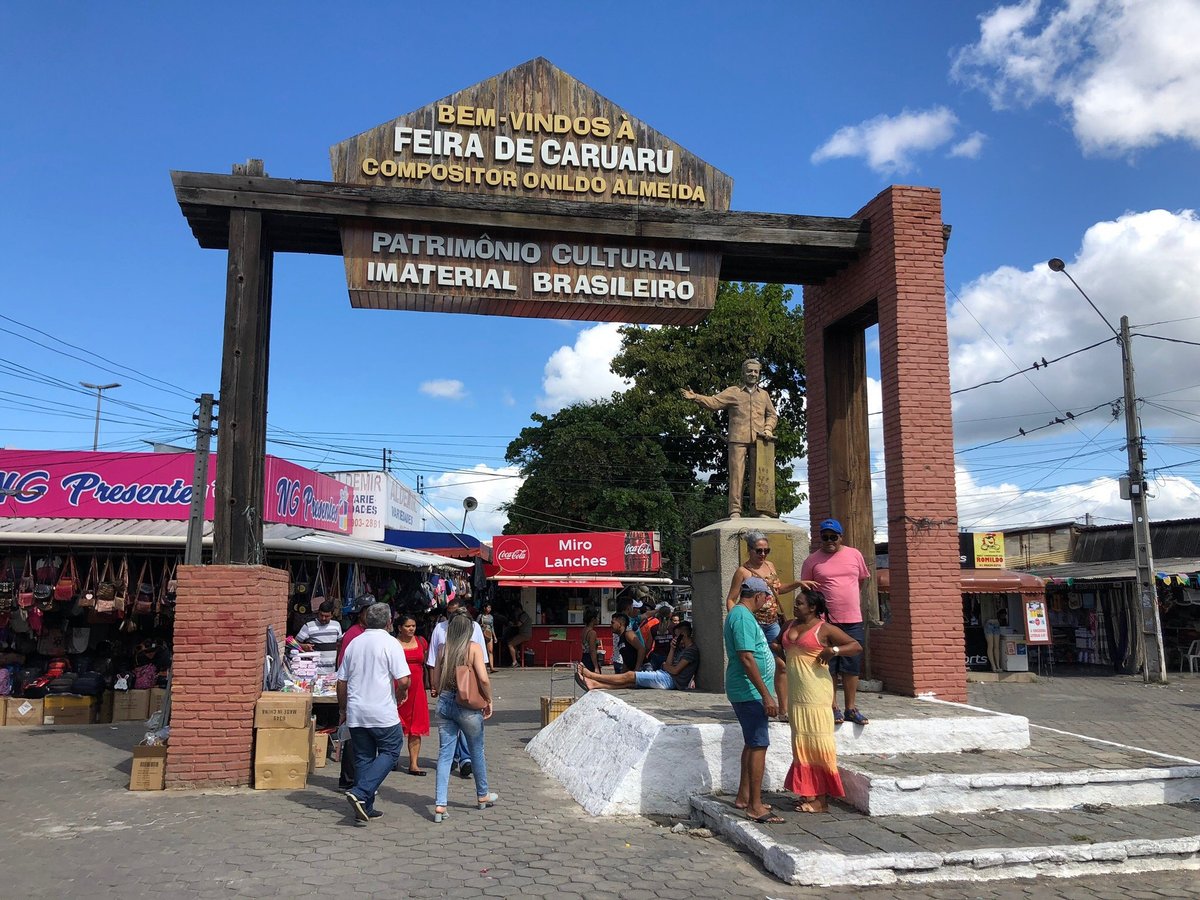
(1143, 553)
(1153, 658)
(204, 432)
(99, 389)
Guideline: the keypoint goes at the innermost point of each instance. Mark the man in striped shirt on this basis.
(322, 634)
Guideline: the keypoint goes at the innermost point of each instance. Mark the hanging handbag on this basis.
(143, 603)
(121, 595)
(470, 695)
(172, 584)
(106, 587)
(25, 590)
(52, 642)
(300, 589)
(67, 585)
(87, 596)
(8, 588)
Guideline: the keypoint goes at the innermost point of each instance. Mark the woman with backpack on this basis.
(455, 718)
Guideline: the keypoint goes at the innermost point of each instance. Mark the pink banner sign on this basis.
(82, 485)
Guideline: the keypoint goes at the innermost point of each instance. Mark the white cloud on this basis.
(444, 388)
(888, 143)
(971, 147)
(489, 485)
(1126, 71)
(507, 398)
(582, 371)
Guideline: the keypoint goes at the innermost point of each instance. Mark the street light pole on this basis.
(1154, 659)
(99, 389)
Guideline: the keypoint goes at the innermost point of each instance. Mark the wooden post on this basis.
(238, 506)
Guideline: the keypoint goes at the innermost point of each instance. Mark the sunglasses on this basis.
(765, 551)
(830, 536)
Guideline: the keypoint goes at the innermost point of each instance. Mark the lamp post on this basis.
(1154, 662)
(99, 389)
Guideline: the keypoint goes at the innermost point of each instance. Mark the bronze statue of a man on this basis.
(752, 420)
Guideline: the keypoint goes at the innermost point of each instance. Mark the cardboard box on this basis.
(23, 712)
(68, 709)
(277, 709)
(149, 770)
(131, 706)
(104, 716)
(283, 744)
(281, 774)
(157, 697)
(320, 749)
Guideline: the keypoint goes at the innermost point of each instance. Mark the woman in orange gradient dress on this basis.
(809, 643)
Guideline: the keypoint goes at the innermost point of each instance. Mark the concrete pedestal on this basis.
(717, 551)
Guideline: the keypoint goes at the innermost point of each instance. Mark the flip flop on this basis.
(420, 772)
(767, 818)
(582, 684)
(743, 806)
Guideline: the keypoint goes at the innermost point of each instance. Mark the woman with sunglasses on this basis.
(759, 565)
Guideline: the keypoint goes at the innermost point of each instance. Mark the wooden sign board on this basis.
(531, 133)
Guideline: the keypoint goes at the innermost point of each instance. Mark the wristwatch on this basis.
(837, 650)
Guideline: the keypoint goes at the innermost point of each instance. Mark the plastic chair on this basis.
(1192, 656)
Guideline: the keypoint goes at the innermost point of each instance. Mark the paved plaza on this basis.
(70, 828)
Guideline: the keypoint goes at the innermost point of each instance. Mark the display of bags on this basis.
(67, 585)
(106, 587)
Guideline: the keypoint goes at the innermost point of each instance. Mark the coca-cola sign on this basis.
(578, 553)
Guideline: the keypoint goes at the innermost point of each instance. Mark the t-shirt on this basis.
(742, 632)
(839, 574)
(437, 640)
(315, 633)
(370, 667)
(351, 633)
(691, 655)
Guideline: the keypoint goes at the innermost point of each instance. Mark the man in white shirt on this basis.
(322, 634)
(437, 640)
(372, 681)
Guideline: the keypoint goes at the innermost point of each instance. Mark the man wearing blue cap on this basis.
(838, 572)
(751, 668)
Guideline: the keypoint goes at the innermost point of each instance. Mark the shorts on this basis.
(662, 681)
(771, 632)
(756, 727)
(849, 665)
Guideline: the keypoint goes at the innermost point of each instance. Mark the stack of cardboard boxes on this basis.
(284, 731)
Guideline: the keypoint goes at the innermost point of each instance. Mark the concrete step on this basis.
(1056, 771)
(846, 847)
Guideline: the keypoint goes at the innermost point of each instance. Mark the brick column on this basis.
(900, 285)
(221, 619)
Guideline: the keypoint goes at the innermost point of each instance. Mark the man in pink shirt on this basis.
(838, 571)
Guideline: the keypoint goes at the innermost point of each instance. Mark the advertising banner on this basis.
(981, 550)
(380, 502)
(576, 553)
(84, 485)
(1037, 622)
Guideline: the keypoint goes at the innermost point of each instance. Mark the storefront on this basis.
(554, 579)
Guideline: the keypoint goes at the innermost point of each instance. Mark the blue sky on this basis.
(1051, 129)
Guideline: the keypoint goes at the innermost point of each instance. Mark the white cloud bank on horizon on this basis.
(443, 388)
(489, 485)
(888, 144)
(1125, 71)
(582, 371)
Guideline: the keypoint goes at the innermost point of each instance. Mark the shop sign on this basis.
(533, 133)
(576, 553)
(82, 485)
(1037, 622)
(981, 550)
(380, 502)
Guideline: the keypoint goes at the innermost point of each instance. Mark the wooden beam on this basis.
(242, 420)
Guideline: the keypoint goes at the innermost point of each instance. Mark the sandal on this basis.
(838, 718)
(438, 816)
(855, 717)
(742, 806)
(420, 772)
(767, 818)
(488, 801)
(809, 807)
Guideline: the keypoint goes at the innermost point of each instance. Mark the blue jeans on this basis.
(455, 722)
(375, 753)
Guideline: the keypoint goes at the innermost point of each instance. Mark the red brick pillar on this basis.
(221, 619)
(900, 284)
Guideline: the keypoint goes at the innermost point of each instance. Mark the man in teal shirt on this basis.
(751, 668)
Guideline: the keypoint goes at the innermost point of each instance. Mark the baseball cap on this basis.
(830, 525)
(637, 604)
(363, 602)
(754, 585)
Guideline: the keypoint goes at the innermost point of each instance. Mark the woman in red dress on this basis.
(414, 711)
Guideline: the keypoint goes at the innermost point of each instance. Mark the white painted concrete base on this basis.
(942, 793)
(615, 759)
(838, 869)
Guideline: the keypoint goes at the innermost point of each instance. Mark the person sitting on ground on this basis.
(677, 672)
(631, 652)
(663, 636)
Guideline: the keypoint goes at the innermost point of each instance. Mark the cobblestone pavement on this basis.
(69, 828)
